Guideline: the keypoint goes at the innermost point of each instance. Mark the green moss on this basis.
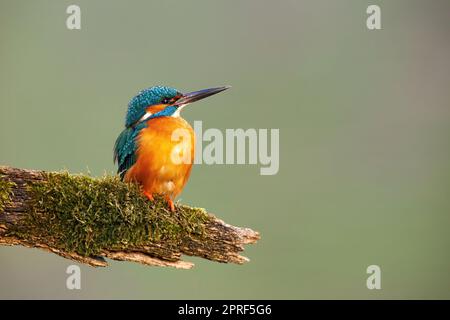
(5, 192)
(84, 215)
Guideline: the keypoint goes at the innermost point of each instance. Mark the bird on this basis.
(157, 146)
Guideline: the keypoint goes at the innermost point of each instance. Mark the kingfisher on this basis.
(156, 149)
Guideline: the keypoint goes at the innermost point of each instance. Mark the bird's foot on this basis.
(170, 203)
(149, 196)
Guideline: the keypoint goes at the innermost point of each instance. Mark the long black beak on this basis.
(198, 95)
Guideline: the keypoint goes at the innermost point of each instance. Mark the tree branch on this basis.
(86, 220)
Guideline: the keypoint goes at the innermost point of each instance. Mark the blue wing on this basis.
(125, 148)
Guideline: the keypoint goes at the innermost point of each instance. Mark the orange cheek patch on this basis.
(156, 108)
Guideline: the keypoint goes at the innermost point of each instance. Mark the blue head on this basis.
(166, 101)
(138, 105)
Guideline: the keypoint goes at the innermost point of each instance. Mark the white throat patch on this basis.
(176, 114)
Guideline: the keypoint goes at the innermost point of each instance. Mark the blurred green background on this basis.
(364, 119)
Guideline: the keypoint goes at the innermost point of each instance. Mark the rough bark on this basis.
(221, 242)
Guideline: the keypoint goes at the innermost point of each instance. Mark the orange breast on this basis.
(164, 157)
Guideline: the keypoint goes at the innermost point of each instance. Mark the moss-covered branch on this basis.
(87, 219)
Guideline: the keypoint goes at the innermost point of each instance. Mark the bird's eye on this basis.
(166, 100)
